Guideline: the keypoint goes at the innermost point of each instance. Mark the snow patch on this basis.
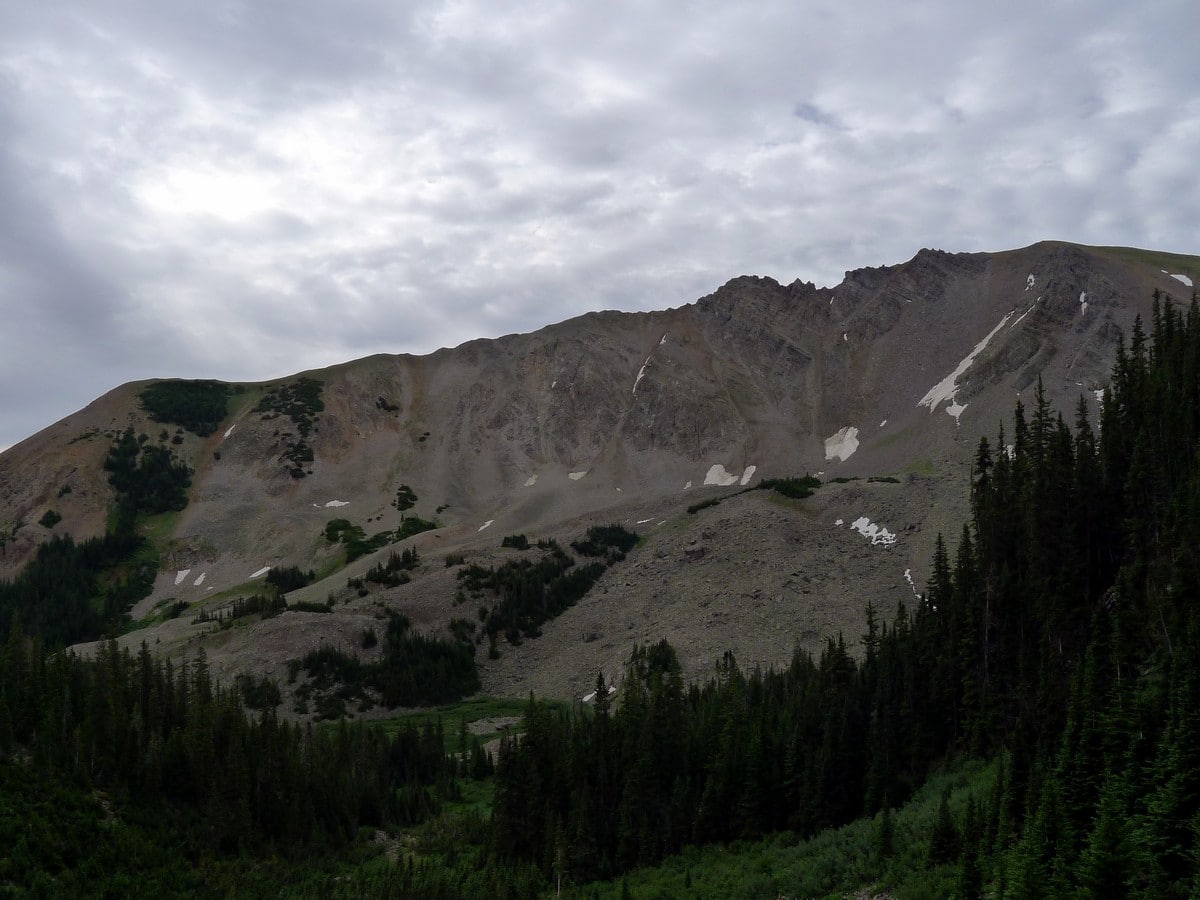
(664, 338)
(842, 445)
(229, 430)
(486, 524)
(955, 409)
(873, 531)
(884, 422)
(640, 375)
(747, 475)
(261, 572)
(718, 476)
(1029, 282)
(199, 581)
(575, 476)
(644, 521)
(531, 481)
(840, 522)
(1024, 314)
(612, 689)
(846, 336)
(946, 388)
(180, 576)
(1083, 303)
(688, 485)
(333, 504)
(1184, 279)
(908, 578)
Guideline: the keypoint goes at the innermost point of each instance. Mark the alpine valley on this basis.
(757, 495)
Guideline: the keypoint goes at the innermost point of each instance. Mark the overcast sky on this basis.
(241, 190)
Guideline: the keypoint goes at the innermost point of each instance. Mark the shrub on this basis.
(516, 541)
(50, 519)
(289, 578)
(796, 488)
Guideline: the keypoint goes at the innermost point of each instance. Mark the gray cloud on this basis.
(246, 188)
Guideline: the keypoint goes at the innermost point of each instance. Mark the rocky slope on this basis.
(895, 372)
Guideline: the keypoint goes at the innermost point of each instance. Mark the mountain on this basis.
(613, 417)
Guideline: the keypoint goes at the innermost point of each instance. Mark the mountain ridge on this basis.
(630, 416)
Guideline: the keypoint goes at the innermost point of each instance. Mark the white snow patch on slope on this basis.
(229, 430)
(1082, 302)
(955, 409)
(842, 445)
(946, 388)
(180, 575)
(688, 485)
(332, 504)
(199, 581)
(486, 524)
(644, 521)
(908, 578)
(873, 531)
(840, 522)
(747, 475)
(1184, 279)
(1024, 314)
(846, 336)
(884, 422)
(261, 572)
(1029, 282)
(640, 375)
(612, 689)
(531, 481)
(718, 476)
(664, 338)
(575, 476)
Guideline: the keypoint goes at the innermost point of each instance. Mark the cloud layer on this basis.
(244, 189)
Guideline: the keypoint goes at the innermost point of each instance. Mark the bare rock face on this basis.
(895, 372)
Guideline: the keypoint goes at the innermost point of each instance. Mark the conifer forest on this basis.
(1051, 671)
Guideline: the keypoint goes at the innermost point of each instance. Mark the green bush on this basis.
(796, 488)
(50, 519)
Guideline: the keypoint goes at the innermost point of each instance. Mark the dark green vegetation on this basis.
(796, 488)
(148, 478)
(358, 544)
(793, 487)
(413, 670)
(125, 776)
(289, 578)
(517, 598)
(1031, 727)
(406, 498)
(198, 406)
(1062, 641)
(300, 402)
(74, 592)
(50, 518)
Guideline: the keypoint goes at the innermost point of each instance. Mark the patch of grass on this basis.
(882, 479)
(923, 466)
(1172, 262)
(469, 710)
